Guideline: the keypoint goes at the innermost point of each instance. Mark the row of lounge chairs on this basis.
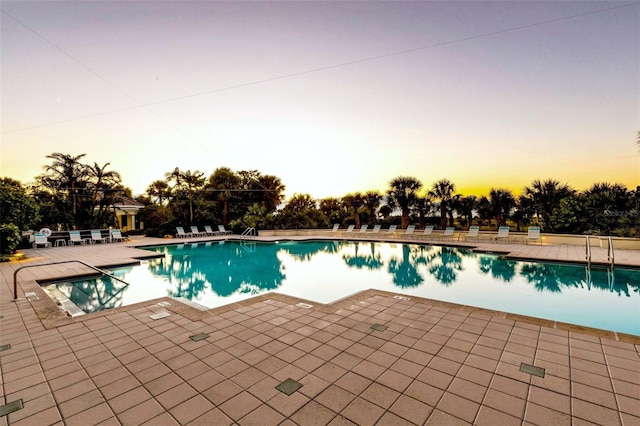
(473, 234)
(40, 239)
(208, 232)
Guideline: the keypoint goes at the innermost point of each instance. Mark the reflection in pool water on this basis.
(214, 274)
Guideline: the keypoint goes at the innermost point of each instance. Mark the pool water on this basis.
(217, 273)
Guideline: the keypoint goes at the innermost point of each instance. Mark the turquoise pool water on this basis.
(214, 274)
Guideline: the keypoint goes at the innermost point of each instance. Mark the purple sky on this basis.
(332, 97)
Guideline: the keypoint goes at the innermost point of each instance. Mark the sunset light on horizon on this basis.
(331, 97)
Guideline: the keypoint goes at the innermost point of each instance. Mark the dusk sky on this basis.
(332, 97)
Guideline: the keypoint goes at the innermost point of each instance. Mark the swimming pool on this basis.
(217, 273)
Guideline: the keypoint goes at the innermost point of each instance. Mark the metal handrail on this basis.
(588, 250)
(15, 273)
(249, 232)
(610, 253)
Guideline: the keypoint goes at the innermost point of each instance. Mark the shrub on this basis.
(9, 239)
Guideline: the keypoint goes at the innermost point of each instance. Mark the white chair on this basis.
(473, 234)
(40, 240)
(363, 229)
(335, 227)
(96, 237)
(75, 238)
(376, 229)
(180, 233)
(116, 235)
(223, 231)
(210, 231)
(533, 234)
(503, 235)
(195, 232)
(428, 232)
(392, 229)
(447, 234)
(410, 230)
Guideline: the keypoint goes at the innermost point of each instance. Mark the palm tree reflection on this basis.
(371, 261)
(445, 265)
(499, 268)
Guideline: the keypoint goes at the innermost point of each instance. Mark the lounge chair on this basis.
(210, 231)
(473, 234)
(428, 232)
(410, 230)
(349, 229)
(195, 232)
(223, 231)
(96, 237)
(392, 229)
(75, 238)
(181, 234)
(116, 235)
(376, 229)
(40, 240)
(447, 234)
(503, 235)
(533, 234)
(363, 228)
(335, 227)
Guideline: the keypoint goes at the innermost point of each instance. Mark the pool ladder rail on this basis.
(15, 274)
(248, 233)
(610, 252)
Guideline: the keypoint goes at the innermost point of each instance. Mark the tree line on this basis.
(72, 195)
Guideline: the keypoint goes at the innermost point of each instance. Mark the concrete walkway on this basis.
(369, 359)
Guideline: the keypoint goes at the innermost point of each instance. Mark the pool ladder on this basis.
(15, 274)
(248, 233)
(610, 252)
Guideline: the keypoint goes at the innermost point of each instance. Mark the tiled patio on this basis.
(423, 362)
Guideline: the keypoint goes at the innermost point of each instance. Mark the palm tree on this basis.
(443, 190)
(159, 189)
(546, 196)
(372, 202)
(502, 202)
(65, 175)
(106, 184)
(422, 208)
(192, 181)
(402, 194)
(223, 181)
(353, 203)
(465, 208)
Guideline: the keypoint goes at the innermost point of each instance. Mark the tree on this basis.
(224, 184)
(66, 178)
(353, 203)
(443, 190)
(402, 195)
(371, 201)
(546, 195)
(422, 208)
(104, 185)
(192, 181)
(16, 206)
(465, 208)
(333, 208)
(159, 189)
(502, 203)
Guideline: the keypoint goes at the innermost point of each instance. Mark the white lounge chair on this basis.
(40, 240)
(473, 234)
(410, 230)
(223, 231)
(503, 235)
(75, 238)
(447, 234)
(195, 232)
(363, 228)
(181, 234)
(533, 234)
(335, 227)
(116, 235)
(428, 232)
(376, 229)
(210, 231)
(96, 237)
(392, 229)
